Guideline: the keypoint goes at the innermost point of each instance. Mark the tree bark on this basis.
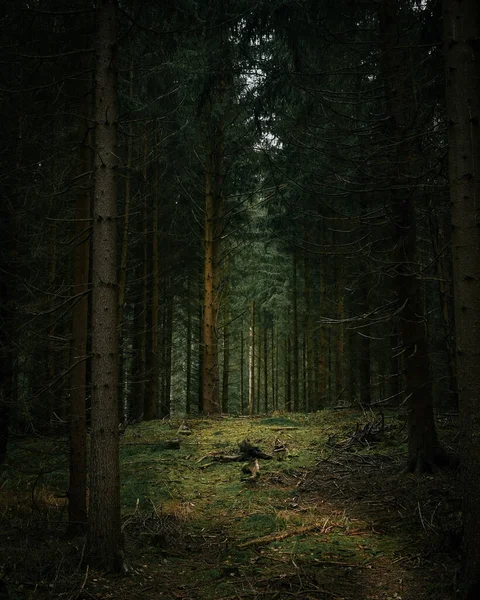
(77, 491)
(251, 367)
(462, 60)
(104, 541)
(423, 447)
(295, 373)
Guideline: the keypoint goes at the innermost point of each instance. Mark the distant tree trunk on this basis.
(104, 541)
(165, 406)
(258, 392)
(152, 393)
(149, 410)
(322, 345)
(210, 376)
(340, 330)
(265, 367)
(242, 386)
(272, 367)
(188, 391)
(310, 398)
(423, 446)
(122, 279)
(364, 354)
(51, 349)
(296, 367)
(251, 368)
(226, 340)
(200, 344)
(462, 58)
(7, 321)
(77, 491)
(288, 376)
(445, 293)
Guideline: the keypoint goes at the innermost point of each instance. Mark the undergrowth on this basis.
(327, 517)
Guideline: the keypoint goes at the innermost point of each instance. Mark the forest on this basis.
(240, 299)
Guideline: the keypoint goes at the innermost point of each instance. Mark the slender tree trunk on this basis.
(322, 345)
(152, 393)
(310, 398)
(148, 408)
(104, 541)
(288, 375)
(251, 369)
(423, 446)
(462, 58)
(188, 391)
(265, 367)
(77, 490)
(340, 329)
(296, 367)
(242, 386)
(259, 367)
(210, 376)
(166, 408)
(226, 341)
(272, 367)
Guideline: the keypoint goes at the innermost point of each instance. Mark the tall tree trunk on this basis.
(152, 393)
(188, 341)
(77, 490)
(309, 353)
(288, 375)
(104, 541)
(7, 320)
(226, 339)
(251, 363)
(149, 410)
(265, 367)
(462, 58)
(423, 446)
(258, 392)
(295, 375)
(166, 408)
(242, 386)
(340, 330)
(122, 279)
(364, 353)
(322, 344)
(210, 376)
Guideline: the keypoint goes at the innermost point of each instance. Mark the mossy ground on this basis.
(322, 523)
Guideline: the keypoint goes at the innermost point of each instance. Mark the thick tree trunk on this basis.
(104, 541)
(423, 446)
(77, 491)
(462, 58)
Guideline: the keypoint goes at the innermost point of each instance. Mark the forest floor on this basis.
(332, 517)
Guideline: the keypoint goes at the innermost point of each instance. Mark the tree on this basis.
(104, 541)
(462, 68)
